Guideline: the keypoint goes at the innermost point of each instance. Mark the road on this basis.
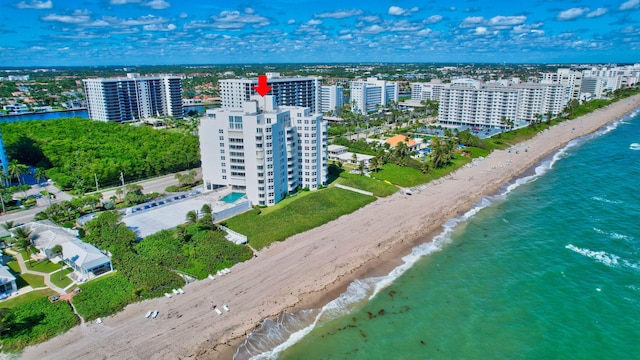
(25, 216)
(158, 184)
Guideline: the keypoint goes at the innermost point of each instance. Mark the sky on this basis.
(158, 32)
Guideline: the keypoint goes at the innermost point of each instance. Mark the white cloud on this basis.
(472, 21)
(481, 30)
(34, 4)
(123, 2)
(345, 37)
(183, 15)
(339, 14)
(236, 20)
(371, 18)
(291, 21)
(630, 5)
(398, 11)
(78, 17)
(571, 14)
(249, 10)
(424, 32)
(373, 29)
(314, 22)
(157, 4)
(433, 19)
(158, 27)
(142, 20)
(597, 12)
(507, 21)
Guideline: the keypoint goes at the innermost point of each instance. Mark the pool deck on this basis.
(170, 215)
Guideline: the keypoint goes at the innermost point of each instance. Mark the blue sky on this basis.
(153, 32)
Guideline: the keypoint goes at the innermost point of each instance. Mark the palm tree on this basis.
(373, 164)
(180, 179)
(119, 192)
(401, 153)
(23, 238)
(16, 170)
(57, 251)
(8, 225)
(206, 209)
(192, 217)
(39, 174)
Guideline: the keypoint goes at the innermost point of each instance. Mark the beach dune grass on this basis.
(104, 296)
(314, 209)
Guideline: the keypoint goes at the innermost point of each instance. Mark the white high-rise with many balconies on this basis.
(368, 95)
(133, 97)
(287, 90)
(474, 103)
(332, 98)
(263, 149)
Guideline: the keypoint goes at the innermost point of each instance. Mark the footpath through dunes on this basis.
(308, 269)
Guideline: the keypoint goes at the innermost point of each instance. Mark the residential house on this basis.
(7, 282)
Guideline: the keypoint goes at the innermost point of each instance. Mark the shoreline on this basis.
(310, 269)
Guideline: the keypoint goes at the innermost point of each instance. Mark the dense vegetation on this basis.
(104, 296)
(34, 322)
(192, 251)
(76, 151)
(290, 218)
(148, 278)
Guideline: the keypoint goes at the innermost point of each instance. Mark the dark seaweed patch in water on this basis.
(381, 312)
(391, 293)
(371, 316)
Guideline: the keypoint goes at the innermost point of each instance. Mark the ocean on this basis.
(547, 269)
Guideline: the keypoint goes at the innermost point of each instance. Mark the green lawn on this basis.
(400, 175)
(312, 210)
(66, 281)
(27, 297)
(36, 281)
(379, 188)
(14, 266)
(44, 266)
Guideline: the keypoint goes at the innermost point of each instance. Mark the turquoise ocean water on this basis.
(549, 269)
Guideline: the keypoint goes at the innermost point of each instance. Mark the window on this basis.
(235, 122)
(221, 138)
(222, 158)
(224, 177)
(220, 131)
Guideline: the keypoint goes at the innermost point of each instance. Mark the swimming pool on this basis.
(232, 197)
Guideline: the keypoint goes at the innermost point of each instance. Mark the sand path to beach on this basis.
(306, 268)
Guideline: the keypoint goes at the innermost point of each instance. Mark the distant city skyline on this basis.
(165, 32)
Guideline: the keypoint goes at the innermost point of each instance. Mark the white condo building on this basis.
(567, 77)
(427, 91)
(133, 97)
(263, 149)
(332, 98)
(366, 94)
(474, 103)
(287, 90)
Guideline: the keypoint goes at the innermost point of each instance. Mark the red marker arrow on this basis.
(262, 87)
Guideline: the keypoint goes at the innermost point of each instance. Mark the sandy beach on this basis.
(308, 269)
